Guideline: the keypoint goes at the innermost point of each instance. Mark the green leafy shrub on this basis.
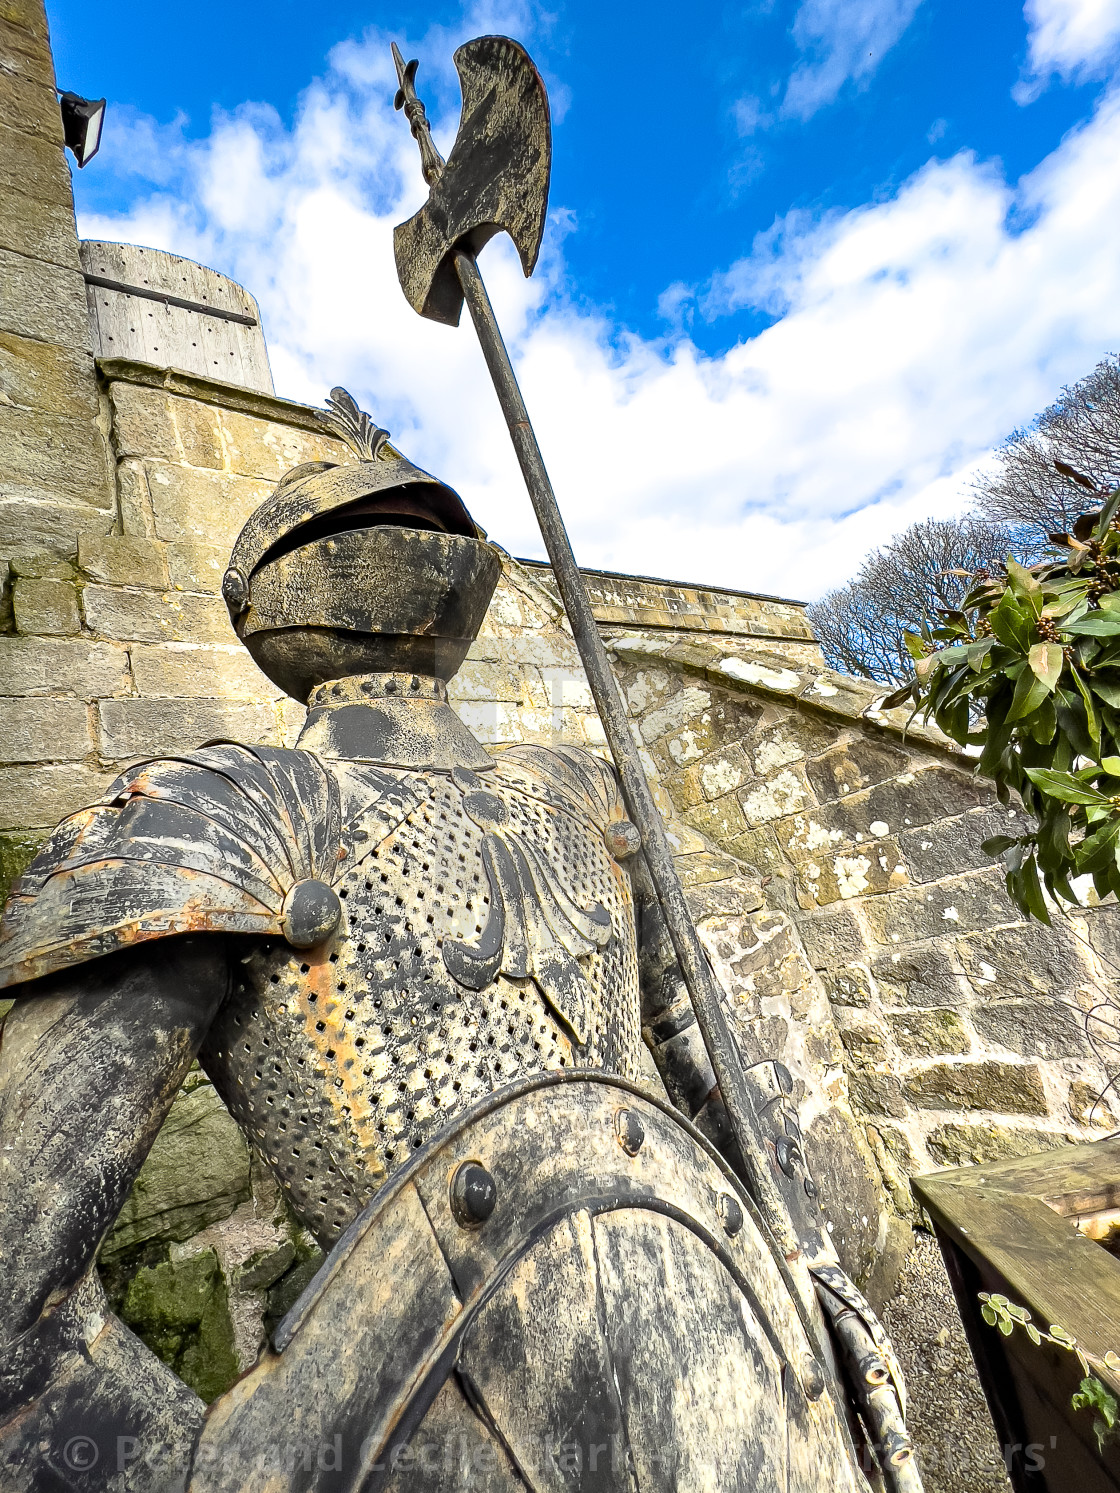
(1028, 670)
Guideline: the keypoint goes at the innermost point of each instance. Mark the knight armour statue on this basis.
(357, 937)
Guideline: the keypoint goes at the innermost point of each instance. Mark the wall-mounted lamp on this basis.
(82, 119)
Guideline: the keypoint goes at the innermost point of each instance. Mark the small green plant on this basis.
(1092, 1393)
(1028, 671)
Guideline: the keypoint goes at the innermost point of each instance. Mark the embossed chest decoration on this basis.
(486, 932)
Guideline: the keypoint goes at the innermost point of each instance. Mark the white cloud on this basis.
(845, 39)
(911, 336)
(1074, 38)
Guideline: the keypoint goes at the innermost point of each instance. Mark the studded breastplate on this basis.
(486, 933)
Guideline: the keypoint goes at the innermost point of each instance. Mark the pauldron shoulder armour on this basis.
(214, 841)
(233, 839)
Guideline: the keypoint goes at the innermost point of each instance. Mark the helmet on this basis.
(358, 569)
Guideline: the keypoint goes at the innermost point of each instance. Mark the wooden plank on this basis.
(148, 331)
(1051, 1268)
(1072, 1179)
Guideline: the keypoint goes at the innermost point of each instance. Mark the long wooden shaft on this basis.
(608, 701)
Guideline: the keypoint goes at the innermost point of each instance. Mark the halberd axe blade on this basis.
(495, 179)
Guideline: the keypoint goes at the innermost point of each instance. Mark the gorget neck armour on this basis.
(477, 928)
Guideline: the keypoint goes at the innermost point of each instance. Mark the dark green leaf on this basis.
(1064, 786)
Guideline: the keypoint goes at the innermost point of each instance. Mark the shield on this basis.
(565, 1289)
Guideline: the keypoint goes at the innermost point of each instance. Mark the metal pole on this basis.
(644, 812)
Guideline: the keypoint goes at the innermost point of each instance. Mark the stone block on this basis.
(1087, 1106)
(918, 977)
(874, 1093)
(44, 301)
(197, 567)
(1005, 1088)
(30, 105)
(40, 230)
(143, 424)
(792, 737)
(134, 500)
(31, 518)
(856, 765)
(156, 617)
(859, 871)
(43, 376)
(930, 1032)
(973, 1145)
(38, 797)
(850, 985)
(32, 666)
(914, 799)
(266, 449)
(645, 689)
(144, 727)
(832, 938)
(864, 1038)
(29, 18)
(953, 846)
(55, 453)
(123, 560)
(196, 671)
(41, 565)
(723, 771)
(1033, 1028)
(16, 854)
(43, 730)
(180, 1308)
(25, 52)
(722, 822)
(978, 901)
(780, 795)
(851, 1193)
(1025, 960)
(198, 428)
(202, 506)
(684, 708)
(33, 171)
(46, 608)
(196, 1173)
(683, 787)
(730, 898)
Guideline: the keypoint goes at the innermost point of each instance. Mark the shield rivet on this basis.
(630, 1131)
(730, 1214)
(474, 1194)
(812, 1377)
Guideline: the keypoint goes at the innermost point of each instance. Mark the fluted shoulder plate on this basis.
(212, 841)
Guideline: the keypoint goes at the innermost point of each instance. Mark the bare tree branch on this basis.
(908, 581)
(1081, 429)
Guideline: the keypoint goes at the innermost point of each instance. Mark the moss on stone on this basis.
(180, 1308)
(16, 854)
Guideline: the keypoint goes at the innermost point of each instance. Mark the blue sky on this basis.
(808, 261)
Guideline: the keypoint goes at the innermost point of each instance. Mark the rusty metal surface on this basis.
(392, 718)
(602, 1303)
(367, 599)
(340, 1061)
(495, 179)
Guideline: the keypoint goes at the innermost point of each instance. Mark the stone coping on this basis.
(212, 391)
(702, 587)
(769, 674)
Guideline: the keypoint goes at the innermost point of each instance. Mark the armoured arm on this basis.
(669, 1026)
(90, 1061)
